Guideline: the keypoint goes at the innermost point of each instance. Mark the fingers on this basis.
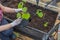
(16, 22)
(19, 20)
(18, 10)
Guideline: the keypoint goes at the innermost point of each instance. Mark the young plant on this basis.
(45, 24)
(20, 5)
(18, 15)
(26, 16)
(24, 9)
(40, 13)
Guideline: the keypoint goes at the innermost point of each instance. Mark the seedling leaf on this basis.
(26, 16)
(18, 15)
(20, 5)
(24, 9)
(39, 13)
(45, 24)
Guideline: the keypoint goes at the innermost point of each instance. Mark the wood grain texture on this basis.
(57, 21)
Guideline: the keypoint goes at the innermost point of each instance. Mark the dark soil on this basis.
(35, 21)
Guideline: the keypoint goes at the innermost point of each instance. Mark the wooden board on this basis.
(57, 21)
(42, 4)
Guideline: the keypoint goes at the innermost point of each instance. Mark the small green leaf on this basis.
(45, 24)
(39, 13)
(24, 1)
(24, 9)
(20, 5)
(26, 16)
(18, 15)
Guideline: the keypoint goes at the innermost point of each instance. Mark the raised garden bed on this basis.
(45, 24)
(38, 23)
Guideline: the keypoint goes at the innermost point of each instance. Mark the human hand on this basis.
(18, 10)
(16, 22)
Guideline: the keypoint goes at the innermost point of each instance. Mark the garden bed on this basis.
(37, 22)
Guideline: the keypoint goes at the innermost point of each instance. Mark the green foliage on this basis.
(18, 15)
(40, 13)
(45, 24)
(26, 16)
(20, 5)
(24, 9)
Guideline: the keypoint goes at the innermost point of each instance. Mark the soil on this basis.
(35, 21)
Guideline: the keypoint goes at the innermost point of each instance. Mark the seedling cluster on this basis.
(24, 14)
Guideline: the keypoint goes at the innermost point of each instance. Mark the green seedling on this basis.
(18, 15)
(39, 13)
(24, 9)
(45, 24)
(26, 16)
(24, 1)
(20, 5)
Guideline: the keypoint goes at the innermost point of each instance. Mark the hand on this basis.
(16, 22)
(18, 10)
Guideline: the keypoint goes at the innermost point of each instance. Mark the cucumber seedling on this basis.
(26, 16)
(45, 24)
(20, 5)
(24, 9)
(40, 13)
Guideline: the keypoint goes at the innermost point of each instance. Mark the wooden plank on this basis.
(41, 4)
(46, 1)
(57, 21)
